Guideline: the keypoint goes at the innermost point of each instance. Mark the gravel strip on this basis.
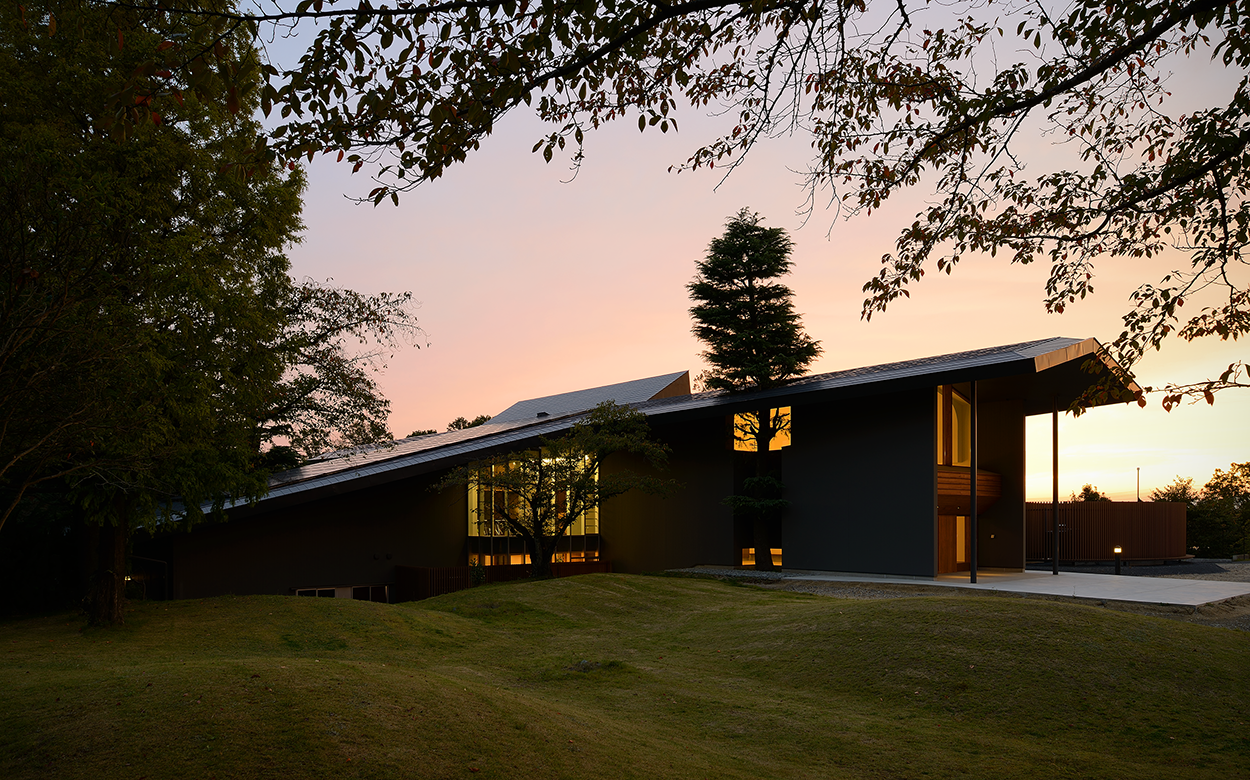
(738, 574)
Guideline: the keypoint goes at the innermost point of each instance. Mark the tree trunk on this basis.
(763, 522)
(540, 559)
(107, 598)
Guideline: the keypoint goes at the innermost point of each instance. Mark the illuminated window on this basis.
(746, 430)
(492, 542)
(498, 560)
(487, 504)
(954, 428)
(748, 556)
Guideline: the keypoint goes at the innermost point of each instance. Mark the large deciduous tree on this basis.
(152, 343)
(946, 97)
(143, 268)
(754, 340)
(332, 343)
(537, 493)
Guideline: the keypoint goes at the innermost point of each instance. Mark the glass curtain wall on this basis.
(489, 533)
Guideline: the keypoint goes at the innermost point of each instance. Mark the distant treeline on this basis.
(1218, 524)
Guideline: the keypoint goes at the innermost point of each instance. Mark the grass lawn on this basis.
(623, 676)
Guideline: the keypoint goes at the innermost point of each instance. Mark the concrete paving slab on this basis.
(1101, 587)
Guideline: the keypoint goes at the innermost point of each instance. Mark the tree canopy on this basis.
(142, 270)
(947, 98)
(332, 343)
(1217, 516)
(458, 424)
(153, 347)
(463, 423)
(1089, 493)
(743, 315)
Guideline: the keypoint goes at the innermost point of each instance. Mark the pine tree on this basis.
(754, 341)
(743, 314)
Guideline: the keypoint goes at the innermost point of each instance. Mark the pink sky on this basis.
(530, 286)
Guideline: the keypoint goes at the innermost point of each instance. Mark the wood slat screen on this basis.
(955, 480)
(1090, 530)
(954, 490)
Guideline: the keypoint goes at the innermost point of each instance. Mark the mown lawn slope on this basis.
(623, 676)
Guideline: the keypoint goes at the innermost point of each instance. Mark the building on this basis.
(876, 461)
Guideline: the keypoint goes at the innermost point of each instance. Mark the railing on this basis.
(1091, 530)
(413, 583)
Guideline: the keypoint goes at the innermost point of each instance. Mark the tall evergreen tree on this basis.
(743, 314)
(755, 340)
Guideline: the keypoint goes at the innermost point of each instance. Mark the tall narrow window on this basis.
(487, 506)
(954, 428)
(746, 430)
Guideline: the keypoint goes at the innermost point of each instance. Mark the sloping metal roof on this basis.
(1029, 356)
(427, 453)
(632, 392)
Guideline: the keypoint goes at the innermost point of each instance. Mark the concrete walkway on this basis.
(1101, 587)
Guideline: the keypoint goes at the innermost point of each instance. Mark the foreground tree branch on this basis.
(894, 96)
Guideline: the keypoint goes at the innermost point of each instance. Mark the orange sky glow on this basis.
(531, 286)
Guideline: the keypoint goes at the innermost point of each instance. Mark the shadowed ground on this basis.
(625, 676)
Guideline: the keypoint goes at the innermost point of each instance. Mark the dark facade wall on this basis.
(861, 479)
(1000, 439)
(643, 532)
(356, 538)
(860, 475)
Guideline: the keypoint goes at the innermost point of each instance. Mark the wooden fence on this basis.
(1091, 530)
(413, 583)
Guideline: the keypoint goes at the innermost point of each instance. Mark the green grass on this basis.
(620, 676)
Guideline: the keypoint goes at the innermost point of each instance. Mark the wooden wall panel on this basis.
(1090, 530)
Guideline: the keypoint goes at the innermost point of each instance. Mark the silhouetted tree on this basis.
(945, 97)
(1217, 517)
(538, 493)
(152, 343)
(461, 423)
(1088, 493)
(755, 340)
(1226, 498)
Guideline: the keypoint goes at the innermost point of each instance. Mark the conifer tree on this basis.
(755, 340)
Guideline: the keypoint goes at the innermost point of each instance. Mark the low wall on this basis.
(1091, 530)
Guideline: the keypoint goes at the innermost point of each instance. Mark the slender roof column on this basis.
(973, 478)
(1054, 472)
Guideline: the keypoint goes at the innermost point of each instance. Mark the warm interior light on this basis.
(746, 428)
(1118, 551)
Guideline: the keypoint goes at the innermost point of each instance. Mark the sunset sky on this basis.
(531, 286)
